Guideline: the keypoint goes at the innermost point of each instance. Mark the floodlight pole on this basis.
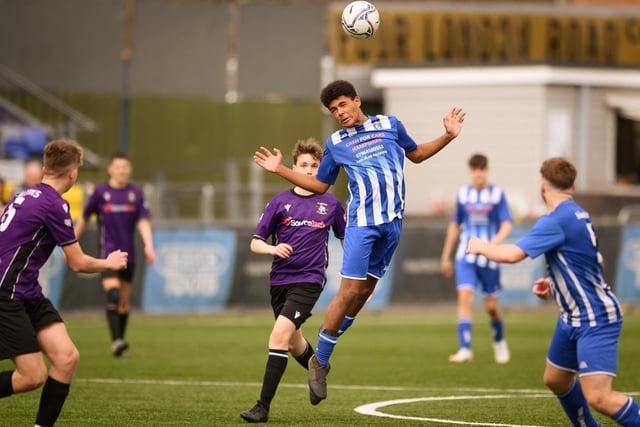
(231, 95)
(125, 56)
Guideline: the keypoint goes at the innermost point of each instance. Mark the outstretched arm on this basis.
(505, 252)
(83, 263)
(272, 162)
(452, 127)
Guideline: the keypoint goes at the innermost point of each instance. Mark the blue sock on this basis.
(326, 344)
(346, 323)
(498, 330)
(576, 407)
(628, 415)
(464, 333)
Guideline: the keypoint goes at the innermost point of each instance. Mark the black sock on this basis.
(303, 359)
(53, 396)
(6, 388)
(276, 364)
(113, 319)
(123, 323)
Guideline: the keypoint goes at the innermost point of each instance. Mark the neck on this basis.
(116, 184)
(60, 185)
(301, 191)
(554, 199)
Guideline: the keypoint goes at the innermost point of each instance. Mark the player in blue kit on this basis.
(294, 230)
(120, 208)
(371, 150)
(33, 223)
(481, 211)
(585, 341)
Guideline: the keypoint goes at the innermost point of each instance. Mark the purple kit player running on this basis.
(120, 207)
(294, 229)
(372, 151)
(33, 223)
(585, 341)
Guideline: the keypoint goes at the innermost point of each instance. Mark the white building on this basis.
(517, 116)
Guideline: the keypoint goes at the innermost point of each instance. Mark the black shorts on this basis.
(125, 275)
(295, 301)
(19, 323)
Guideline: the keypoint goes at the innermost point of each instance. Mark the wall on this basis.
(179, 47)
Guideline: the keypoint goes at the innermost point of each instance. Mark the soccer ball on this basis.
(360, 19)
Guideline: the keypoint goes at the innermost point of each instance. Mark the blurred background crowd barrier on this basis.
(207, 269)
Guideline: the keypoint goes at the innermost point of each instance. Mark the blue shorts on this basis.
(368, 250)
(470, 275)
(586, 350)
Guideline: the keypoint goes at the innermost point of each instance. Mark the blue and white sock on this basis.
(326, 344)
(576, 407)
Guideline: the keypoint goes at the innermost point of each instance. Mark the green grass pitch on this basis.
(203, 370)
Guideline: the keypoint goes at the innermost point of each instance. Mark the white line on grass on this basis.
(372, 409)
(333, 386)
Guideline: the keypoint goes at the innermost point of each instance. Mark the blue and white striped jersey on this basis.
(372, 155)
(480, 212)
(568, 240)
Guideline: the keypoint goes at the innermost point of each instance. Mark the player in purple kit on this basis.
(585, 341)
(120, 207)
(294, 229)
(372, 151)
(33, 223)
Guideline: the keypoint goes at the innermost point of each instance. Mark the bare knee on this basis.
(64, 363)
(557, 384)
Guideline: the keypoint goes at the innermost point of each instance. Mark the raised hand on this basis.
(267, 160)
(453, 121)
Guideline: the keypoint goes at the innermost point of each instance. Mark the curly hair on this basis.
(335, 90)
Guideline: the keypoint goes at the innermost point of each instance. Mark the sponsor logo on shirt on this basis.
(290, 222)
(117, 208)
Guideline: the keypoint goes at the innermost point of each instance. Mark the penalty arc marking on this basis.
(372, 409)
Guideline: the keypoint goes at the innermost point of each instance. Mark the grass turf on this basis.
(203, 370)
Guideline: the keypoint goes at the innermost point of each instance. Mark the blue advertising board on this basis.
(627, 283)
(51, 276)
(193, 270)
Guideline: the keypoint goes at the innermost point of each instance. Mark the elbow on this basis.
(76, 268)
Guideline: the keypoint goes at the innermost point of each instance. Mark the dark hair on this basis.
(335, 90)
(560, 172)
(478, 161)
(119, 155)
(307, 146)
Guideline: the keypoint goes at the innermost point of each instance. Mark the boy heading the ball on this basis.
(371, 150)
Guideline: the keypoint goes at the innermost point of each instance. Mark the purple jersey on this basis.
(119, 211)
(33, 223)
(302, 222)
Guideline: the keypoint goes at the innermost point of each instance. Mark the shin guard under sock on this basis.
(276, 365)
(346, 324)
(303, 359)
(6, 386)
(628, 415)
(326, 344)
(576, 407)
(124, 317)
(53, 396)
(113, 317)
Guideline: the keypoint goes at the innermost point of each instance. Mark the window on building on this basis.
(627, 151)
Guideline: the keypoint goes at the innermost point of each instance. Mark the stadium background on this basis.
(191, 87)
